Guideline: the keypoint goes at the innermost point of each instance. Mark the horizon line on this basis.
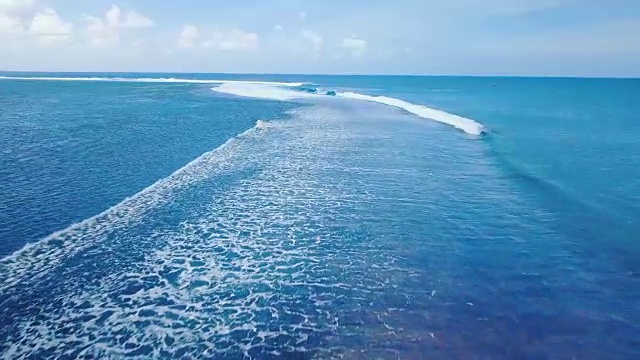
(631, 77)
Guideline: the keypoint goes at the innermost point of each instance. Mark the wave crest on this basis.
(467, 125)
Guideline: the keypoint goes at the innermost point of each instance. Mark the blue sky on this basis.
(478, 37)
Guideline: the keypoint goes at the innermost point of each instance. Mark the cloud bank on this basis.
(505, 37)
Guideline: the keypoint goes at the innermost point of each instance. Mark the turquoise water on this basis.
(158, 218)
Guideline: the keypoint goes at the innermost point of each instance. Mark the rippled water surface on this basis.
(166, 220)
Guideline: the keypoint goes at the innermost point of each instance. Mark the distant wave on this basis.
(151, 80)
(304, 90)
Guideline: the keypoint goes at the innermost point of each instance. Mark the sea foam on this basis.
(262, 91)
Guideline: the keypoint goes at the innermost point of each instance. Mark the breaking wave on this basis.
(467, 125)
(305, 90)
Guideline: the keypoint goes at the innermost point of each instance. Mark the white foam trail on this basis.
(151, 80)
(467, 125)
(38, 258)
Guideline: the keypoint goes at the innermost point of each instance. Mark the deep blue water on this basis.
(166, 220)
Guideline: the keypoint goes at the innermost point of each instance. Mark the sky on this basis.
(430, 37)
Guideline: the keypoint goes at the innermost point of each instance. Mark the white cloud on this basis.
(23, 20)
(357, 47)
(189, 36)
(106, 31)
(235, 40)
(302, 15)
(315, 41)
(130, 19)
(99, 33)
(12, 19)
(135, 20)
(49, 27)
(15, 5)
(278, 28)
(230, 39)
(10, 25)
(113, 16)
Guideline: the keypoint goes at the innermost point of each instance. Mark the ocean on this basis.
(213, 216)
